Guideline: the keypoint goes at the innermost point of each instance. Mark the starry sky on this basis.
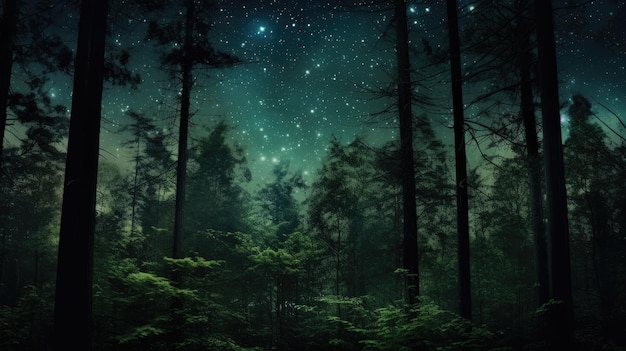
(302, 82)
(308, 66)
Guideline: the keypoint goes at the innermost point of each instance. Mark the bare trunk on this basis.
(410, 252)
(558, 231)
(181, 168)
(134, 196)
(462, 212)
(534, 166)
(8, 28)
(73, 300)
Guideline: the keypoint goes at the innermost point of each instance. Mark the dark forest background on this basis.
(175, 250)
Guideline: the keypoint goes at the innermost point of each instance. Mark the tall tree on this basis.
(44, 127)
(499, 35)
(533, 161)
(590, 165)
(502, 248)
(196, 50)
(333, 207)
(155, 206)
(460, 160)
(278, 202)
(29, 210)
(8, 29)
(73, 299)
(409, 212)
(26, 45)
(142, 129)
(216, 199)
(558, 230)
(148, 184)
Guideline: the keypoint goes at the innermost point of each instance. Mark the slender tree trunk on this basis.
(558, 231)
(8, 28)
(462, 211)
(177, 334)
(338, 265)
(410, 257)
(533, 161)
(135, 191)
(181, 168)
(73, 300)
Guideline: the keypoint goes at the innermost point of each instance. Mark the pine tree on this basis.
(410, 255)
(191, 49)
(278, 202)
(73, 299)
(558, 229)
(500, 35)
(8, 29)
(465, 296)
(590, 165)
(216, 200)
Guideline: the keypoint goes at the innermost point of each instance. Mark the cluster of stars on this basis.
(307, 68)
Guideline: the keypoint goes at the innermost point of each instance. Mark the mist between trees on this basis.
(491, 218)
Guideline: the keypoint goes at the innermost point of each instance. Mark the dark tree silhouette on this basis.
(502, 33)
(25, 46)
(558, 231)
(142, 129)
(73, 299)
(460, 158)
(192, 49)
(590, 165)
(277, 201)
(216, 199)
(533, 161)
(410, 255)
(8, 28)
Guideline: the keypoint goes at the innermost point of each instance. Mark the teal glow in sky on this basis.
(308, 66)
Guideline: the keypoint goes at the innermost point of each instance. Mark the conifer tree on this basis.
(186, 47)
(500, 36)
(558, 229)
(8, 29)
(410, 255)
(465, 296)
(73, 300)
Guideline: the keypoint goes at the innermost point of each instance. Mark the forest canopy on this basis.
(278, 175)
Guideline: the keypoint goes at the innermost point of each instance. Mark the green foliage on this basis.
(142, 332)
(215, 199)
(151, 288)
(393, 328)
(147, 308)
(425, 327)
(277, 261)
(170, 34)
(29, 213)
(24, 326)
(352, 213)
(501, 250)
(277, 202)
(596, 216)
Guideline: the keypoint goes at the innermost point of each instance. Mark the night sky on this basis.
(306, 66)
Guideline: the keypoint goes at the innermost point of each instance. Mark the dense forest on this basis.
(489, 215)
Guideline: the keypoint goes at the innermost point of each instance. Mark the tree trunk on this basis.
(533, 161)
(133, 204)
(181, 168)
(8, 28)
(462, 212)
(410, 257)
(73, 300)
(558, 231)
